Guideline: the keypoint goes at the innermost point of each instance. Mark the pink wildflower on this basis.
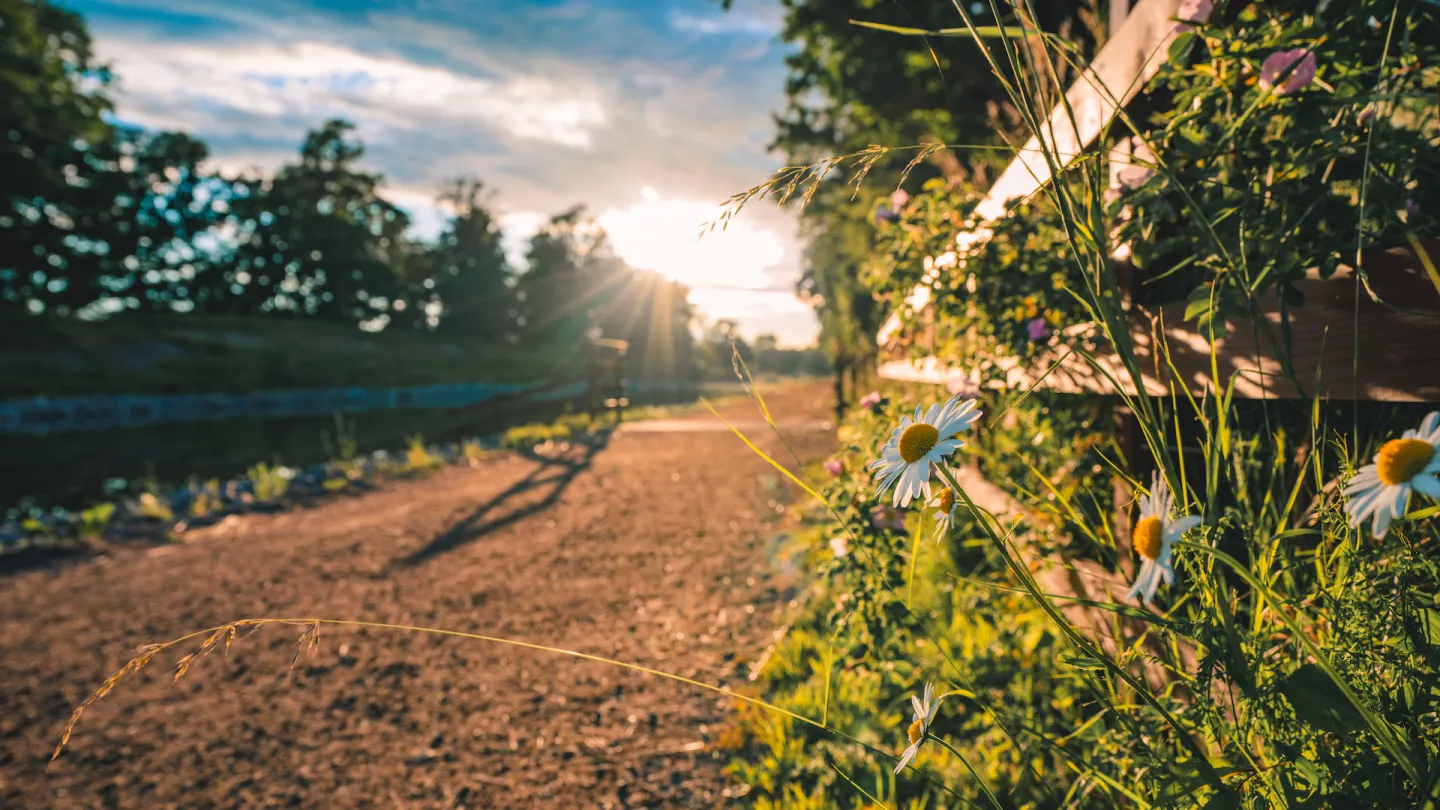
(899, 199)
(1038, 329)
(834, 466)
(871, 400)
(1133, 177)
(1279, 62)
(1192, 13)
(961, 386)
(887, 517)
(840, 546)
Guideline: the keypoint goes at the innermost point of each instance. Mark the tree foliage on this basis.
(97, 218)
(851, 88)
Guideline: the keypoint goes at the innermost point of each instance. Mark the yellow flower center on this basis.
(917, 440)
(945, 501)
(916, 730)
(1398, 462)
(1146, 537)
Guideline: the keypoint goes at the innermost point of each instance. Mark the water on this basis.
(75, 470)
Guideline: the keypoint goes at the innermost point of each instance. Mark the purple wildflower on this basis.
(1038, 329)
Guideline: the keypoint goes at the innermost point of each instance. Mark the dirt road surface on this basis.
(655, 547)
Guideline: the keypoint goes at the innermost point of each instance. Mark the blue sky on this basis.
(650, 112)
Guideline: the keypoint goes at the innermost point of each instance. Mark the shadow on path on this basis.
(556, 472)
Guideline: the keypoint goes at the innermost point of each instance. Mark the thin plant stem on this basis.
(1202, 762)
(994, 802)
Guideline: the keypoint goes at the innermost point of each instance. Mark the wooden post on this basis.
(1119, 10)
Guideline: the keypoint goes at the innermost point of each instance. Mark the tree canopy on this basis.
(97, 219)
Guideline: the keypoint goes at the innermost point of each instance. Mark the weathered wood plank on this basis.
(1399, 361)
(1129, 59)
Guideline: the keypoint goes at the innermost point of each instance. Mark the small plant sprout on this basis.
(946, 507)
(921, 440)
(1153, 536)
(919, 730)
(1380, 491)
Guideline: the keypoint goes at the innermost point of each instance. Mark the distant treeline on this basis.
(98, 219)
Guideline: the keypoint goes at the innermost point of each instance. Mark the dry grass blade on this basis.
(805, 180)
(309, 639)
(134, 665)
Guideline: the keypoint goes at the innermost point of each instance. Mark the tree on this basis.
(317, 239)
(52, 95)
(88, 211)
(570, 271)
(467, 272)
(159, 202)
(851, 87)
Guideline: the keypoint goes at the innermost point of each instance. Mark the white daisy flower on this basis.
(946, 507)
(919, 441)
(1153, 535)
(1380, 492)
(919, 730)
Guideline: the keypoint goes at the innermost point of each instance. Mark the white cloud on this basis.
(170, 84)
(427, 217)
(756, 17)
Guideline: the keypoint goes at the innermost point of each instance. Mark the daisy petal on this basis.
(1427, 485)
(1430, 425)
(906, 757)
(1183, 525)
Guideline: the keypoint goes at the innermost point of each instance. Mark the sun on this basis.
(662, 235)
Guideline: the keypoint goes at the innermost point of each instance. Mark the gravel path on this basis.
(652, 548)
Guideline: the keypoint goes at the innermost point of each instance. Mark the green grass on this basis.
(160, 354)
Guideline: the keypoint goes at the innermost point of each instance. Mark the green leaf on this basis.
(1289, 533)
(1184, 779)
(1311, 770)
(1319, 703)
(1180, 47)
(1225, 799)
(1081, 662)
